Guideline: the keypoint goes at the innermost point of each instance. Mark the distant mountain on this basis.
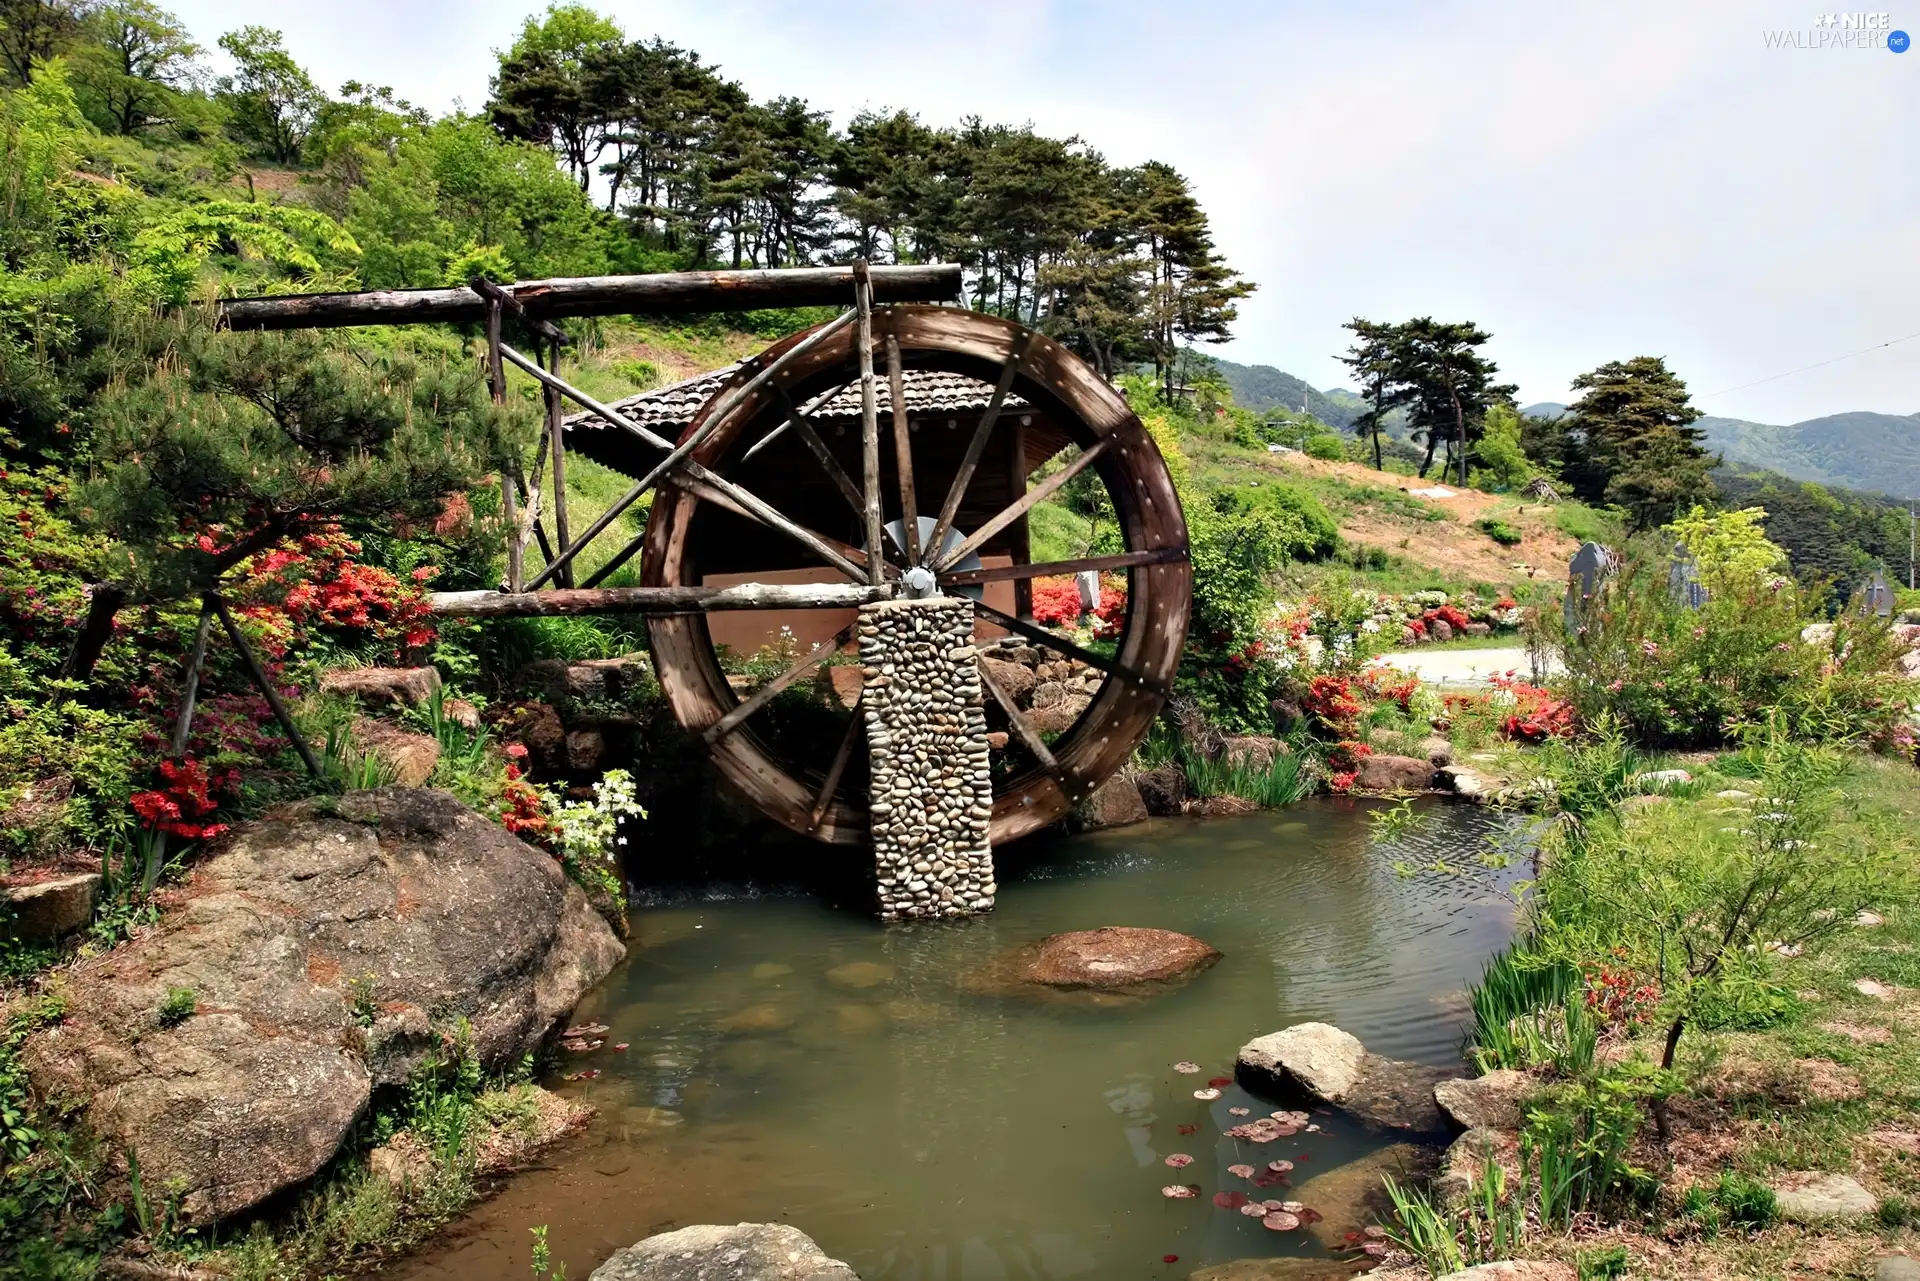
(1260, 387)
(1545, 409)
(1878, 453)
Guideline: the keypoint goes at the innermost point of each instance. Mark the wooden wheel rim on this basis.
(1146, 507)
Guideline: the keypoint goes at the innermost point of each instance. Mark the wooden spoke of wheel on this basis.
(903, 449)
(701, 484)
(766, 693)
(869, 421)
(841, 755)
(1044, 637)
(1016, 357)
(1021, 506)
(1024, 731)
(1061, 568)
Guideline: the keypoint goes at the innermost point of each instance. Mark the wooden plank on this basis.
(1044, 637)
(1053, 568)
(669, 293)
(869, 421)
(1016, 355)
(841, 755)
(190, 687)
(1023, 730)
(768, 692)
(1022, 505)
(612, 415)
(654, 600)
(903, 448)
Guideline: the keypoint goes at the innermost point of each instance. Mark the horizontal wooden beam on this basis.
(1061, 568)
(655, 600)
(668, 293)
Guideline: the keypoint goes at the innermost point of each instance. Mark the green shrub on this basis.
(1732, 1201)
(643, 374)
(1575, 1144)
(1484, 1227)
(1498, 530)
(1327, 448)
(178, 1006)
(1604, 1264)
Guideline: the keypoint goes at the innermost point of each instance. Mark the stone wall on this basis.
(927, 742)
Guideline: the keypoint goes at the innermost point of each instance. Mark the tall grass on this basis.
(1274, 786)
(1485, 1227)
(1529, 1013)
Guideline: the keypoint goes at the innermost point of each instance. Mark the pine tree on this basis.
(1447, 384)
(1372, 360)
(1629, 414)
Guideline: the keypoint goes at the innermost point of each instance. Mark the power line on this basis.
(1804, 368)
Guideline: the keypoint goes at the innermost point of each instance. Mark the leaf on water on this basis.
(1229, 1200)
(1219, 1081)
(1373, 1230)
(1377, 1249)
(620, 1045)
(1279, 1167)
(1179, 1160)
(1179, 1191)
(1187, 1129)
(1281, 1221)
(1207, 1095)
(1185, 1066)
(1241, 1171)
(1310, 1215)
(1254, 1210)
(1169, 1258)
(1239, 1111)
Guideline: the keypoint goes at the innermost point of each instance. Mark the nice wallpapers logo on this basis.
(1842, 31)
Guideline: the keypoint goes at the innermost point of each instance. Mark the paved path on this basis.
(1472, 667)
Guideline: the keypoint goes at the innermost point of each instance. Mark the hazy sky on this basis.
(1588, 180)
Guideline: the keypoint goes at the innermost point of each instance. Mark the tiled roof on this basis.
(667, 410)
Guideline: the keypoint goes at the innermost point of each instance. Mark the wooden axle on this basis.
(668, 293)
(655, 600)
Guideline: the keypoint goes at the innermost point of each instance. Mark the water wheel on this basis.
(948, 489)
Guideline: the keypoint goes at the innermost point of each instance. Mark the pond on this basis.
(788, 1060)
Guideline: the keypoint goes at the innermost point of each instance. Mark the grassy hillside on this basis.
(1262, 387)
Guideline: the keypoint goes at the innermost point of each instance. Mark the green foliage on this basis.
(1674, 675)
(1513, 1004)
(1484, 1227)
(1576, 1142)
(1691, 903)
(177, 1007)
(544, 1268)
(235, 442)
(1605, 1263)
(169, 254)
(1732, 1201)
(1499, 462)
(1628, 441)
(271, 101)
(1327, 448)
(1285, 782)
(1498, 530)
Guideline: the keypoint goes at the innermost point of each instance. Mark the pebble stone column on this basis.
(927, 742)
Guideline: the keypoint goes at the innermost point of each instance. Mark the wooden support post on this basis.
(869, 422)
(557, 446)
(265, 685)
(190, 687)
(838, 767)
(1022, 544)
(509, 497)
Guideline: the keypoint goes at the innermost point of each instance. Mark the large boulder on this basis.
(1115, 803)
(1496, 1101)
(1163, 789)
(1116, 956)
(1383, 773)
(329, 949)
(46, 911)
(708, 1252)
(410, 755)
(1319, 1063)
(1252, 751)
(1098, 967)
(1317, 1060)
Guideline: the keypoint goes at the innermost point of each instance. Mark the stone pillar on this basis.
(927, 743)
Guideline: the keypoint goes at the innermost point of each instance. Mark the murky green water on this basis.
(791, 1061)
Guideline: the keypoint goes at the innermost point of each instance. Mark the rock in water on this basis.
(1117, 956)
(1382, 773)
(1496, 1101)
(1316, 1059)
(398, 907)
(708, 1252)
(1351, 1196)
(1115, 803)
